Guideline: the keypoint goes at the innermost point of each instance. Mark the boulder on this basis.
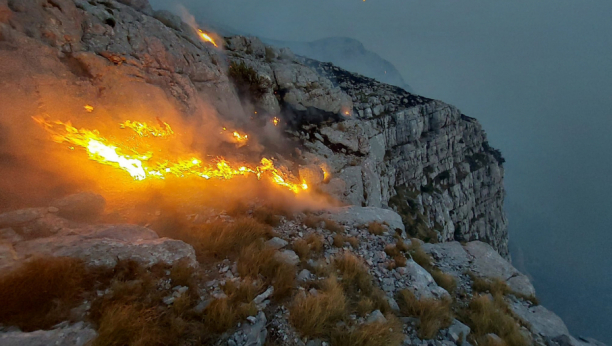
(276, 243)
(77, 334)
(358, 216)
(287, 256)
(489, 264)
(458, 331)
(105, 245)
(421, 283)
(20, 217)
(539, 319)
(84, 206)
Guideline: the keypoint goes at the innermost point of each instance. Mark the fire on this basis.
(239, 137)
(144, 130)
(88, 108)
(206, 37)
(142, 166)
(276, 121)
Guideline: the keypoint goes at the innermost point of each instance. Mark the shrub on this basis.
(433, 314)
(41, 292)
(317, 315)
(376, 228)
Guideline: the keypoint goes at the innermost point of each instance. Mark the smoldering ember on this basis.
(164, 185)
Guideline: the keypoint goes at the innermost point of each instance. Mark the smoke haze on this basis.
(537, 75)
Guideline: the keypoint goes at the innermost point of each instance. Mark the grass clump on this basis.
(391, 250)
(433, 314)
(355, 276)
(312, 221)
(333, 226)
(353, 241)
(339, 240)
(376, 228)
(41, 292)
(256, 260)
(304, 247)
(488, 315)
(315, 315)
(371, 334)
(444, 280)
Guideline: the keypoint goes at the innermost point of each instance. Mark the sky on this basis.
(538, 75)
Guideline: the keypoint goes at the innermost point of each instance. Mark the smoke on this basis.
(36, 169)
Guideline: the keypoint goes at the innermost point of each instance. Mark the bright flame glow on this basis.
(143, 166)
(144, 130)
(239, 137)
(206, 37)
(88, 108)
(276, 121)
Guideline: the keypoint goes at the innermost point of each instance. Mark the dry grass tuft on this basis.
(183, 275)
(312, 221)
(399, 260)
(315, 242)
(433, 314)
(403, 247)
(391, 250)
(444, 280)
(316, 315)
(364, 306)
(41, 292)
(339, 240)
(355, 276)
(420, 256)
(333, 226)
(353, 241)
(376, 228)
(371, 334)
(301, 248)
(267, 216)
(257, 260)
(492, 316)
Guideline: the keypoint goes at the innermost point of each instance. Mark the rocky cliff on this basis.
(407, 167)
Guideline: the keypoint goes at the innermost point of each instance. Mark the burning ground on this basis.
(215, 172)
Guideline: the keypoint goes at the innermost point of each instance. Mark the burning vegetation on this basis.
(141, 165)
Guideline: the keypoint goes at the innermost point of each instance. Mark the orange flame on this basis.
(206, 38)
(143, 166)
(276, 121)
(144, 130)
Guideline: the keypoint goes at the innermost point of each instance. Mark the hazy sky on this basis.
(538, 76)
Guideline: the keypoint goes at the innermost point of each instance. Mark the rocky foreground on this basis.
(391, 280)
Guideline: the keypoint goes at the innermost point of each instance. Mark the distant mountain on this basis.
(349, 54)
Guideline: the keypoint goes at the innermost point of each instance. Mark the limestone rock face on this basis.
(375, 141)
